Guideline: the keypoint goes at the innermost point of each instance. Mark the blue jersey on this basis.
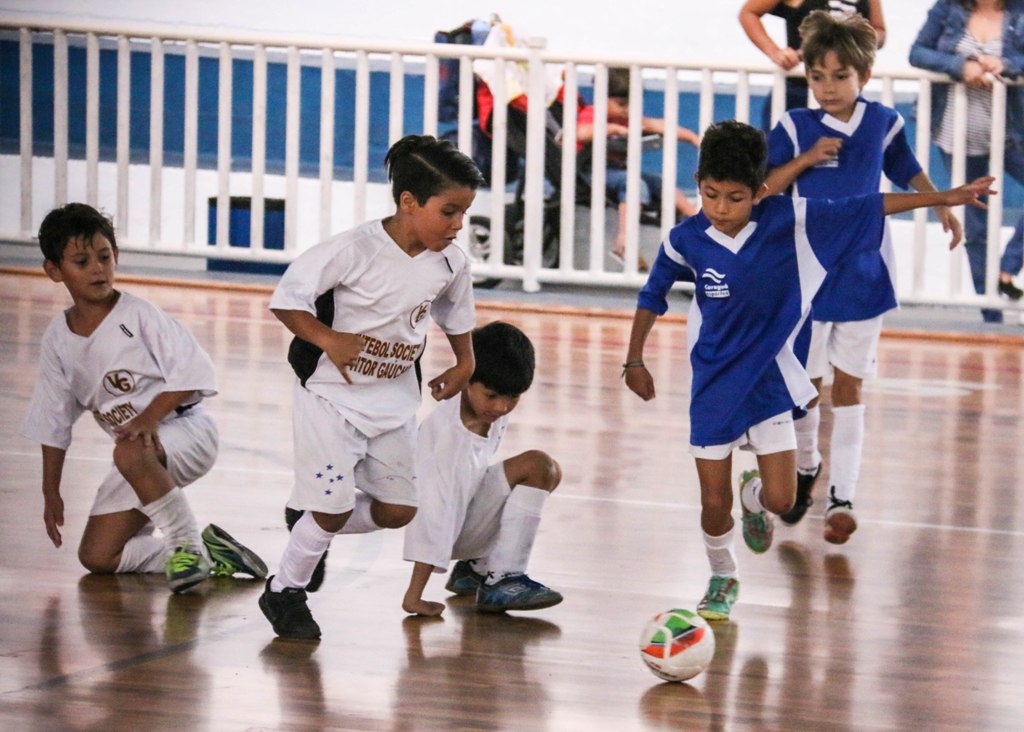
(753, 292)
(874, 141)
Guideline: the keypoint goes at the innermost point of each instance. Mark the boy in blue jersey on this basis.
(841, 150)
(758, 261)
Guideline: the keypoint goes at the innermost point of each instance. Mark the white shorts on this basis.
(850, 346)
(775, 434)
(190, 441)
(483, 515)
(333, 458)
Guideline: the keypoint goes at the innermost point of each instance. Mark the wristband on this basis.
(630, 365)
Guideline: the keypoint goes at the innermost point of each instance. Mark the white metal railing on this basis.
(177, 233)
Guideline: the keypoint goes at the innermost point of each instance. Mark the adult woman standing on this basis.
(788, 56)
(976, 42)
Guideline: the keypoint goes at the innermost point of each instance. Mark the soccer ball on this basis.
(677, 645)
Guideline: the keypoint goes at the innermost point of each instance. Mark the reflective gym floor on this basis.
(915, 624)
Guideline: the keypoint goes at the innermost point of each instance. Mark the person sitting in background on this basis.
(977, 42)
(615, 176)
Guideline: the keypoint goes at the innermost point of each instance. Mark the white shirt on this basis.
(136, 353)
(384, 295)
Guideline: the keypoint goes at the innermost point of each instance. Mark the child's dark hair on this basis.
(69, 222)
(505, 358)
(618, 82)
(733, 151)
(425, 166)
(852, 38)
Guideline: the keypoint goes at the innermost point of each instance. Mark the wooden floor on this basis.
(916, 624)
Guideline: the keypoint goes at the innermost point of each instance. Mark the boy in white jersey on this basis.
(143, 376)
(757, 261)
(358, 306)
(841, 150)
(483, 514)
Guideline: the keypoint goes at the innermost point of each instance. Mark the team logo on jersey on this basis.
(716, 286)
(119, 382)
(419, 313)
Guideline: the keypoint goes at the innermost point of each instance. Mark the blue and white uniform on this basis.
(753, 293)
(874, 142)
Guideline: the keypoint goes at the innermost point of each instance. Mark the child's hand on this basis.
(968, 194)
(824, 150)
(950, 224)
(343, 349)
(640, 382)
(450, 383)
(53, 517)
(141, 427)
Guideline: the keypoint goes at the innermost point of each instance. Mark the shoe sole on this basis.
(712, 615)
(266, 613)
(540, 605)
(839, 527)
(219, 541)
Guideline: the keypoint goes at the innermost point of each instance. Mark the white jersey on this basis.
(384, 295)
(450, 465)
(136, 353)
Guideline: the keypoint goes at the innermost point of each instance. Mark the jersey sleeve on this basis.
(669, 267)
(838, 228)
(183, 363)
(454, 309)
(781, 146)
(899, 162)
(53, 409)
(311, 274)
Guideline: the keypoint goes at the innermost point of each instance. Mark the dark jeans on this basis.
(976, 227)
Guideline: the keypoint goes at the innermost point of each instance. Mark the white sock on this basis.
(143, 553)
(751, 497)
(361, 520)
(173, 516)
(306, 544)
(720, 554)
(808, 458)
(847, 447)
(520, 519)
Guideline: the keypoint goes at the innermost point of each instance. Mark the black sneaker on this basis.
(1006, 287)
(804, 486)
(288, 613)
(291, 517)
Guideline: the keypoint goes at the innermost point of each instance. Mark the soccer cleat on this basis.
(718, 600)
(230, 556)
(291, 516)
(804, 486)
(757, 527)
(516, 592)
(464, 580)
(840, 520)
(288, 613)
(186, 568)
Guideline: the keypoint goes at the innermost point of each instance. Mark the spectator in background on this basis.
(615, 180)
(978, 42)
(787, 57)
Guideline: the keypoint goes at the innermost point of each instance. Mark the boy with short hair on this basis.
(143, 376)
(840, 150)
(483, 514)
(757, 262)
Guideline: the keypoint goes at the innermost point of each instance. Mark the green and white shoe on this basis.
(185, 569)
(758, 528)
(718, 600)
(230, 556)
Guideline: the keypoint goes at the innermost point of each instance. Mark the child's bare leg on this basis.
(778, 480)
(715, 495)
(413, 601)
(370, 515)
(105, 537)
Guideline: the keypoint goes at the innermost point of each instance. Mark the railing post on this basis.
(534, 192)
(995, 203)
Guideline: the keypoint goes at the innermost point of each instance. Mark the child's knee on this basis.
(392, 515)
(542, 470)
(97, 562)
